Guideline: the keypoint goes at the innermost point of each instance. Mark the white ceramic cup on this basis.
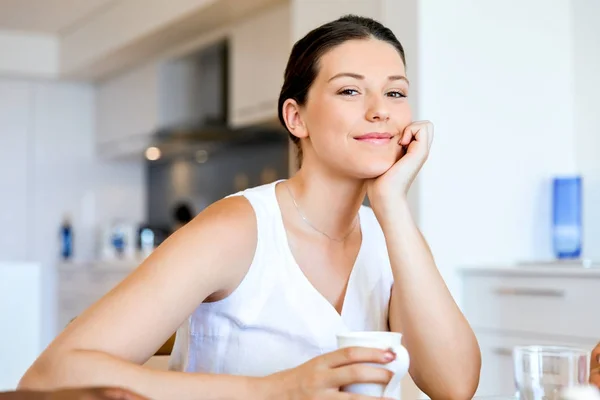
(378, 340)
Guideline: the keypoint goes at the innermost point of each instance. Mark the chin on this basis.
(372, 169)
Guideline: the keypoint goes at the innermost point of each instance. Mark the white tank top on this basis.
(276, 319)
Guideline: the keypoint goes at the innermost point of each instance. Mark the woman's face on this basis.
(357, 109)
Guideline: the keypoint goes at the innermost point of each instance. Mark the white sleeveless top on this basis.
(276, 319)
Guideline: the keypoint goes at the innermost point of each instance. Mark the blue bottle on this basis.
(66, 239)
(567, 210)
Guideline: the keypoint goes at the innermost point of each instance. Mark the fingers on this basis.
(595, 360)
(595, 377)
(419, 131)
(358, 373)
(408, 134)
(353, 355)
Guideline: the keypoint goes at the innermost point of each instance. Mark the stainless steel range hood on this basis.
(188, 99)
(194, 106)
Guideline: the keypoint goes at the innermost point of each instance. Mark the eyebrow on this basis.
(361, 77)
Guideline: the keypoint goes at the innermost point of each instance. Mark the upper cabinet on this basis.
(126, 111)
(259, 49)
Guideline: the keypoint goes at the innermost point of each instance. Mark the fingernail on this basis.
(598, 358)
(389, 355)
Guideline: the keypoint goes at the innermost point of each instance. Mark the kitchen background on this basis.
(115, 113)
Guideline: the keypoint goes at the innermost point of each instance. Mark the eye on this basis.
(348, 92)
(396, 94)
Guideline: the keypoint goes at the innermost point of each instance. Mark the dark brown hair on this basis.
(303, 64)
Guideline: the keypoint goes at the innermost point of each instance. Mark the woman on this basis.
(260, 282)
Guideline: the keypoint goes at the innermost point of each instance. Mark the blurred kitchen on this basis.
(120, 120)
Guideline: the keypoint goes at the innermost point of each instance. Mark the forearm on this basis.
(445, 356)
(94, 369)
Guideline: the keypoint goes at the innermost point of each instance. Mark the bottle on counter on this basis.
(66, 238)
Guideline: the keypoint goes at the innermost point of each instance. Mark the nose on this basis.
(377, 110)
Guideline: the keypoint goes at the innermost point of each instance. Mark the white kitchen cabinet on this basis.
(259, 49)
(127, 111)
(508, 307)
(15, 214)
(21, 319)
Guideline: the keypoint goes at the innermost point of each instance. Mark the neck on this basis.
(329, 202)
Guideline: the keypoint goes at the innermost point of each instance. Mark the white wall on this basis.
(48, 168)
(496, 79)
(14, 128)
(586, 54)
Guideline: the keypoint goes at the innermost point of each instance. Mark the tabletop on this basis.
(73, 394)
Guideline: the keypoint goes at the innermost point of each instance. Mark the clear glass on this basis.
(541, 372)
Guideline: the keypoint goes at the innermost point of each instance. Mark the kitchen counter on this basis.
(527, 304)
(100, 265)
(550, 269)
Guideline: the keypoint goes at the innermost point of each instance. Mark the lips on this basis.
(375, 137)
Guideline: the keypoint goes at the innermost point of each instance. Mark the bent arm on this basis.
(445, 355)
(107, 344)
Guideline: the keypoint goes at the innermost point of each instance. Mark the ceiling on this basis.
(48, 16)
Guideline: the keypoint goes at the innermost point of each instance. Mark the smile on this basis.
(375, 138)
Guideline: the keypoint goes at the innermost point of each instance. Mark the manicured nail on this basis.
(389, 355)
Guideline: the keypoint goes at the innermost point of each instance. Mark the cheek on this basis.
(328, 120)
(402, 117)
(404, 114)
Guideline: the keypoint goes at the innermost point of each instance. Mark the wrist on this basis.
(392, 212)
(264, 388)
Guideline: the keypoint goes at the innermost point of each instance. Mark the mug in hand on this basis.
(378, 340)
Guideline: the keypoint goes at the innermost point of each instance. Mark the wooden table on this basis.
(74, 394)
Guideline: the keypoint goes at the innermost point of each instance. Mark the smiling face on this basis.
(356, 109)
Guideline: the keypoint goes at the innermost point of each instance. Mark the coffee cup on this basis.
(378, 340)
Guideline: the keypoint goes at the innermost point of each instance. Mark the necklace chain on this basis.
(314, 227)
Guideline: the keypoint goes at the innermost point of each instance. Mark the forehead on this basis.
(365, 57)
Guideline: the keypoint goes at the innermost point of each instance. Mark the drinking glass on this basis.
(541, 372)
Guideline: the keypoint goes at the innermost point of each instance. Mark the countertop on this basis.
(554, 269)
(100, 265)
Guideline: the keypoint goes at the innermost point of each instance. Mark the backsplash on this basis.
(201, 180)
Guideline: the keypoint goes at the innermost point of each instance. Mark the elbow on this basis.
(40, 376)
(463, 391)
(463, 385)
(466, 385)
(34, 379)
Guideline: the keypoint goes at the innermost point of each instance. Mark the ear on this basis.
(293, 119)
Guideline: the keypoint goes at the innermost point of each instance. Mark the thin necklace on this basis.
(315, 228)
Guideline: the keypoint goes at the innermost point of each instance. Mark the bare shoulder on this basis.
(233, 214)
(233, 206)
(229, 227)
(223, 236)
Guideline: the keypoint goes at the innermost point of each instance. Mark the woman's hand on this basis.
(322, 377)
(595, 366)
(392, 187)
